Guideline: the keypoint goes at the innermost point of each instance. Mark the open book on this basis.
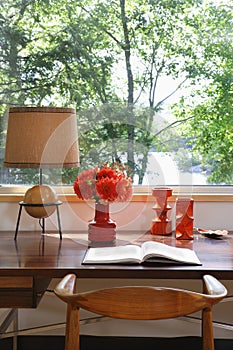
(147, 252)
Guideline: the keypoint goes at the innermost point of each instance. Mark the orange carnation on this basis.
(105, 184)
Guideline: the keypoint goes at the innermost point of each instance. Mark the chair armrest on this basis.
(66, 287)
(213, 287)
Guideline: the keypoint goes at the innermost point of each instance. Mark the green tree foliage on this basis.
(209, 110)
(73, 53)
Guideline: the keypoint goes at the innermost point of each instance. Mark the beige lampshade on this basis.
(41, 137)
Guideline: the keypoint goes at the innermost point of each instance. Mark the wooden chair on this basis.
(139, 303)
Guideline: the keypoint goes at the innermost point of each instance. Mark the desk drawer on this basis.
(16, 282)
(21, 292)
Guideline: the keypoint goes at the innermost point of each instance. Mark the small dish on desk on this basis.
(215, 234)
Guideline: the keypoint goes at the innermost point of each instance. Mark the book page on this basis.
(157, 249)
(104, 255)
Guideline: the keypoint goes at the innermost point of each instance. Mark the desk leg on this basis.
(15, 329)
(12, 317)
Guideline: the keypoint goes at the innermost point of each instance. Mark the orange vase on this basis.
(102, 228)
(162, 224)
(184, 218)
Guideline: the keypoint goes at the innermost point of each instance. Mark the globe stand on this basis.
(22, 204)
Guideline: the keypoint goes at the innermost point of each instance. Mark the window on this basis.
(151, 82)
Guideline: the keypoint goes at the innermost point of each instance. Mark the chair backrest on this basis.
(139, 303)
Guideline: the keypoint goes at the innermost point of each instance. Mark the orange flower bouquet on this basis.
(104, 185)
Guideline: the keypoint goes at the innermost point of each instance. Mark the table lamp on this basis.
(41, 137)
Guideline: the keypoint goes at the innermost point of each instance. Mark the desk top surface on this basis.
(33, 254)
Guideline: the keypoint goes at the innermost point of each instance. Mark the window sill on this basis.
(141, 194)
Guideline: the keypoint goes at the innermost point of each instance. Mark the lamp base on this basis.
(26, 205)
(37, 198)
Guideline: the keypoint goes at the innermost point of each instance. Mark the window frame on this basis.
(13, 193)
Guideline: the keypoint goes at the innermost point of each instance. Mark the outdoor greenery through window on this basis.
(151, 81)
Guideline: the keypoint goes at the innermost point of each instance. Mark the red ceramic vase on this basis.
(162, 224)
(184, 218)
(102, 228)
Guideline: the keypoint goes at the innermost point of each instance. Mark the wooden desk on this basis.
(28, 264)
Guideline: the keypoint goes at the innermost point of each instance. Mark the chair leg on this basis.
(72, 328)
(207, 330)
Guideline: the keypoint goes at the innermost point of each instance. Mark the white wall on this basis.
(131, 216)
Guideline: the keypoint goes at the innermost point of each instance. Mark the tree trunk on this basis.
(127, 51)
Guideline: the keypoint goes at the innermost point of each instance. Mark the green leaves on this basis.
(106, 57)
